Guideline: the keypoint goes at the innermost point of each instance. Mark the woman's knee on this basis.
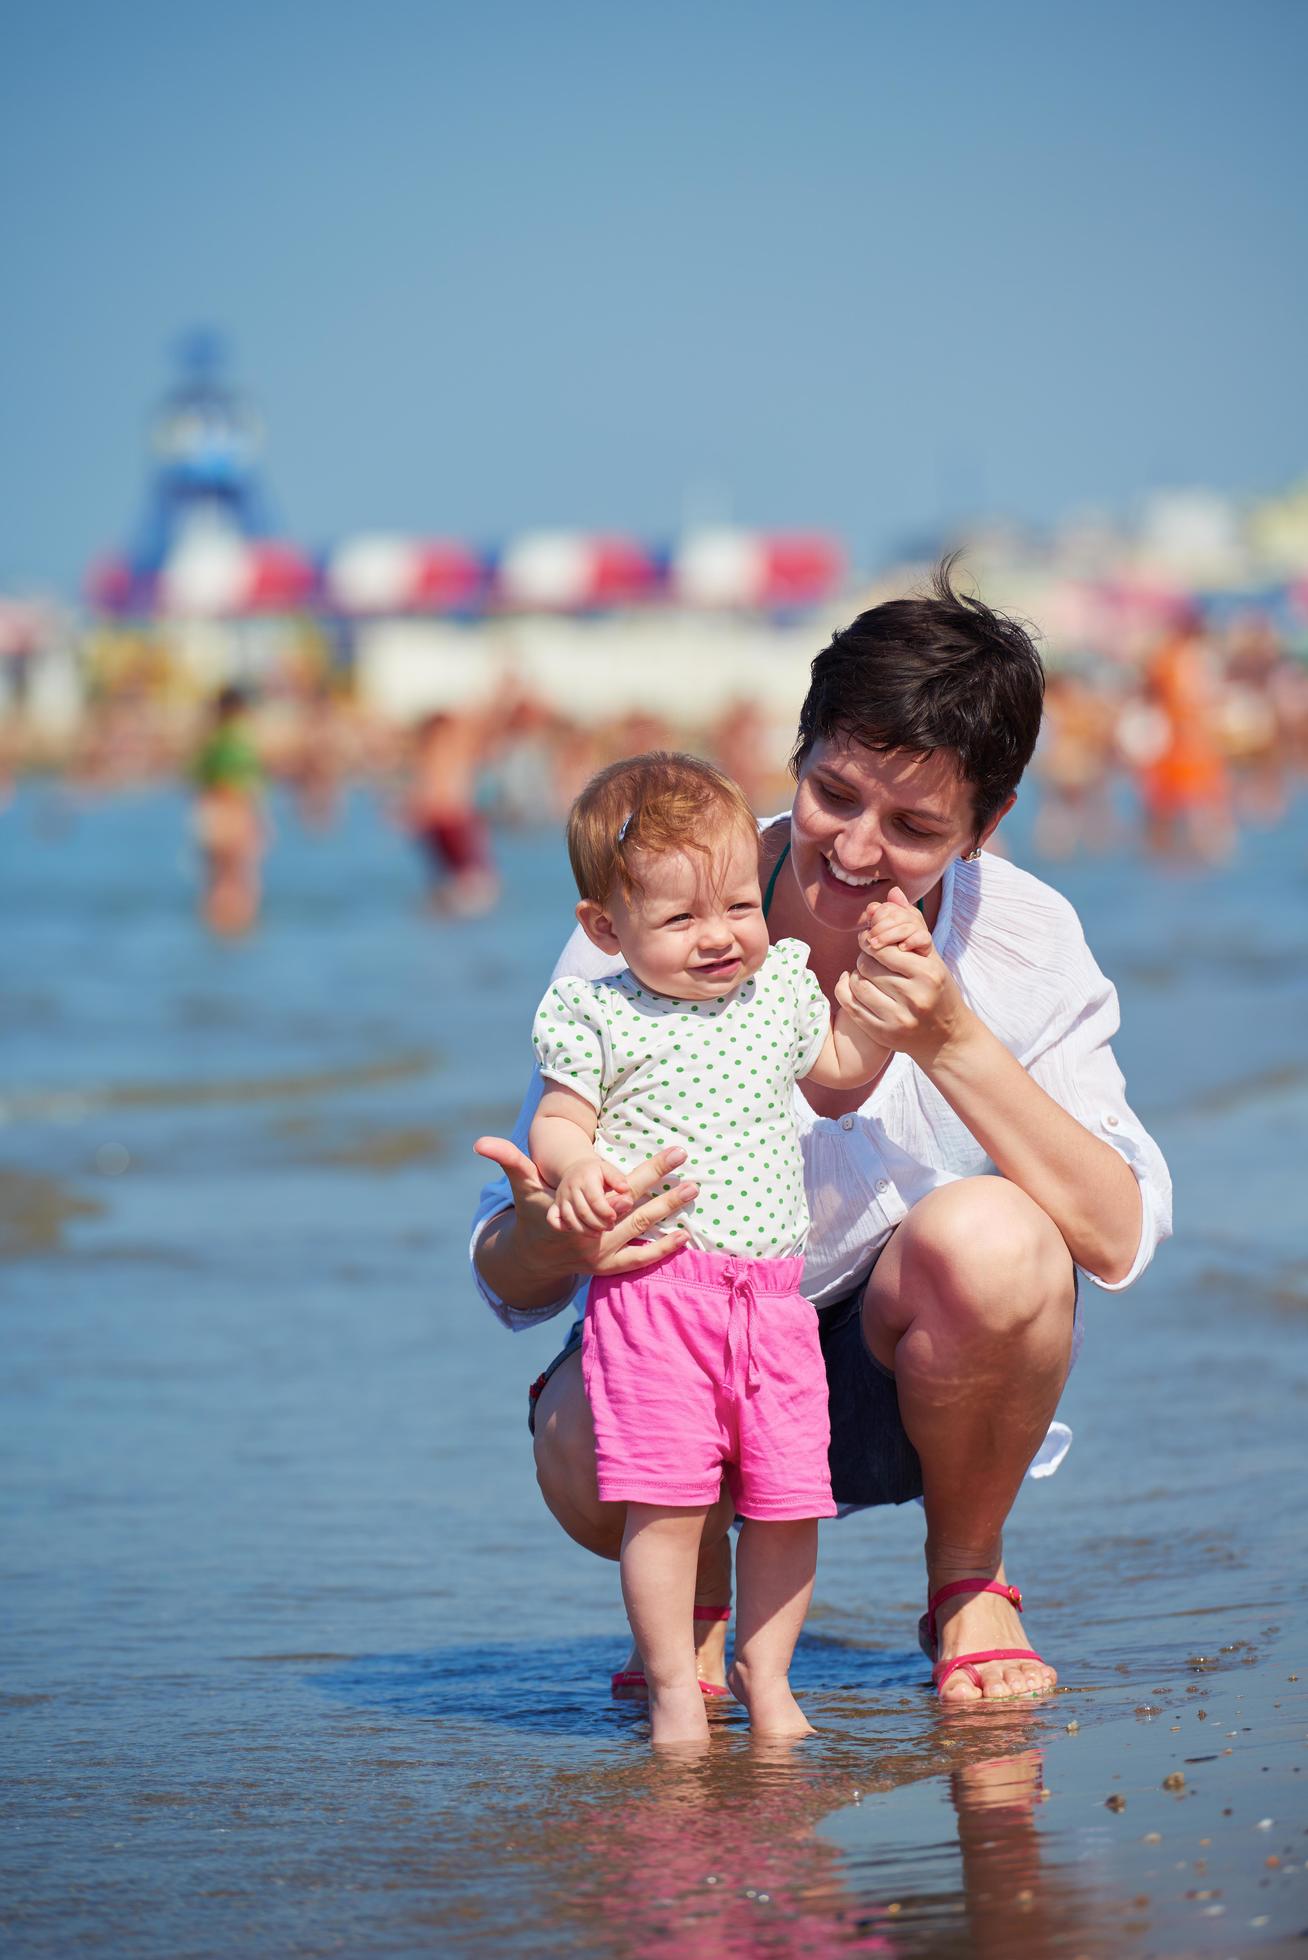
(983, 1248)
(565, 1463)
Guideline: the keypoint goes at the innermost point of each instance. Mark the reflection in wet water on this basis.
(296, 1663)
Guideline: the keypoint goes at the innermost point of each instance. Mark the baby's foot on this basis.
(676, 1715)
(773, 1710)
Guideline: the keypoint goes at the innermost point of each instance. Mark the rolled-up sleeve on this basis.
(496, 1198)
(578, 956)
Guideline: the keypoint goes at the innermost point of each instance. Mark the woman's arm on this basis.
(534, 1268)
(1080, 1182)
(913, 1004)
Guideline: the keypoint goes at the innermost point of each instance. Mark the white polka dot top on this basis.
(716, 1077)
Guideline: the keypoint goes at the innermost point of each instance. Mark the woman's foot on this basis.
(972, 1623)
(773, 1710)
(629, 1683)
(710, 1646)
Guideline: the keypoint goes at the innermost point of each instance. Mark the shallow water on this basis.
(294, 1660)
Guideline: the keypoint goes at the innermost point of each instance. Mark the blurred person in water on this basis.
(228, 817)
(740, 739)
(995, 1160)
(1074, 763)
(701, 1357)
(440, 810)
(1183, 777)
(1258, 687)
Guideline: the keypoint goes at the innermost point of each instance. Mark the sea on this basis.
(295, 1661)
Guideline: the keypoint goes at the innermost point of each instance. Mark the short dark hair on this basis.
(922, 675)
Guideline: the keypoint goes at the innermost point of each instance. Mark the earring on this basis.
(970, 857)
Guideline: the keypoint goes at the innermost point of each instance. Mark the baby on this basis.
(708, 1360)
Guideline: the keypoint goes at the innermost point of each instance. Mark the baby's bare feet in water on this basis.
(676, 1714)
(773, 1710)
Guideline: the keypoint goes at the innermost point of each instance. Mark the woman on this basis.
(998, 1141)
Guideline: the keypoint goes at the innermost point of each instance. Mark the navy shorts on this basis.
(872, 1460)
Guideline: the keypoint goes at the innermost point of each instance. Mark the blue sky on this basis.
(865, 266)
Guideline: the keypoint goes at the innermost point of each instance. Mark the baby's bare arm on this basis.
(562, 1132)
(590, 1195)
(851, 1055)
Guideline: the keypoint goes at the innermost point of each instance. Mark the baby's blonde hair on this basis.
(656, 802)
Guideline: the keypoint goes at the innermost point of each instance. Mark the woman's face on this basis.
(863, 822)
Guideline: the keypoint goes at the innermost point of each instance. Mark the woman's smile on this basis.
(868, 885)
(864, 823)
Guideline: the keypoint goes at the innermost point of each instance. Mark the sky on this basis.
(841, 264)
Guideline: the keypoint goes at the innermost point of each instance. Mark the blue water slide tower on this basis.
(206, 441)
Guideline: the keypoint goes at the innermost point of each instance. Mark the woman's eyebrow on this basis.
(906, 809)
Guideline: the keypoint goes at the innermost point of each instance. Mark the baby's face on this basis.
(696, 930)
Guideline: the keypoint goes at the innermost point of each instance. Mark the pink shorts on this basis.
(705, 1363)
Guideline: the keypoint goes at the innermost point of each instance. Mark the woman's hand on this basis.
(902, 993)
(552, 1252)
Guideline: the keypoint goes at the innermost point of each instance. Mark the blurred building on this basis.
(212, 589)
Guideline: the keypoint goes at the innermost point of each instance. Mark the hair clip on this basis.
(626, 825)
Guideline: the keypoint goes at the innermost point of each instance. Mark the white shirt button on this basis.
(882, 1184)
(846, 1122)
(1110, 1122)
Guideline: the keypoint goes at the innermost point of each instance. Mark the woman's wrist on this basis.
(947, 1051)
(523, 1267)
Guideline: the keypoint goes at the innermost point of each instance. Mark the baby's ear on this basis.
(597, 925)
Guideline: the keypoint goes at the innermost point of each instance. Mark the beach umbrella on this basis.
(385, 574)
(764, 570)
(279, 578)
(112, 586)
(574, 571)
(221, 575)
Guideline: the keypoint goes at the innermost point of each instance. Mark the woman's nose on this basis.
(860, 843)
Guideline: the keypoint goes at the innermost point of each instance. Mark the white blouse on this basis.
(1016, 948)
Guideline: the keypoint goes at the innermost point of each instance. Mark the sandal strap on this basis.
(633, 1678)
(969, 1663)
(971, 1587)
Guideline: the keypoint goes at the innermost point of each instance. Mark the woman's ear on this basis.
(984, 837)
(597, 925)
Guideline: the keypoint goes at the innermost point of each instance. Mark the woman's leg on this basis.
(660, 1546)
(971, 1306)
(565, 1471)
(775, 1567)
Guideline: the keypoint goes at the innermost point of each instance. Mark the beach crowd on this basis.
(1203, 730)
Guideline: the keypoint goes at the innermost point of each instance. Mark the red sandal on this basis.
(629, 1684)
(968, 1663)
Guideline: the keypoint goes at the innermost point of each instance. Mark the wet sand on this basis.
(297, 1664)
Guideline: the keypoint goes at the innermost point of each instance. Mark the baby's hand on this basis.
(894, 922)
(582, 1202)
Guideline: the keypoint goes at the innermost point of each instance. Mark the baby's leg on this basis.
(775, 1565)
(660, 1551)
